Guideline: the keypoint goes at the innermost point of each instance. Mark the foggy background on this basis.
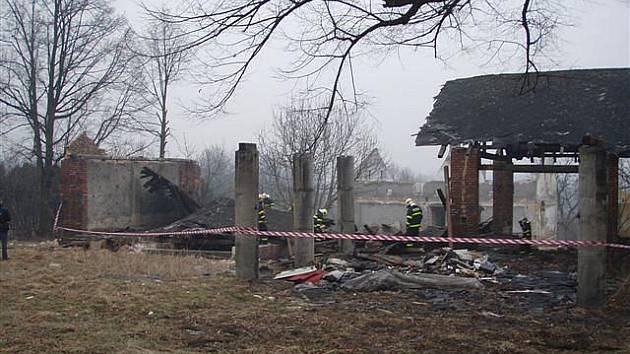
(401, 88)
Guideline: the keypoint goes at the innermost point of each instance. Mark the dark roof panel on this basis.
(562, 108)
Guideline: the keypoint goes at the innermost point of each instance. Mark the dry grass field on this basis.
(74, 301)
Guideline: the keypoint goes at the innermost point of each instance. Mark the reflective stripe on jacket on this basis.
(414, 216)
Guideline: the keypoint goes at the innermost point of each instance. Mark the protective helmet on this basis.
(323, 211)
(408, 201)
(265, 195)
(261, 196)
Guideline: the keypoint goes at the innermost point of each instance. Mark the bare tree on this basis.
(292, 133)
(403, 174)
(126, 145)
(217, 173)
(64, 68)
(325, 35)
(166, 64)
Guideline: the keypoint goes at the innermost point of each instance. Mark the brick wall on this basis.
(74, 192)
(502, 199)
(613, 196)
(464, 190)
(190, 178)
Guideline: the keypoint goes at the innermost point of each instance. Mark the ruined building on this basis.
(517, 123)
(104, 193)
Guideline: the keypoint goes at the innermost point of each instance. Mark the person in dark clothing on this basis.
(5, 220)
(526, 226)
(414, 218)
(320, 221)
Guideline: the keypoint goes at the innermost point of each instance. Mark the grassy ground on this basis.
(74, 301)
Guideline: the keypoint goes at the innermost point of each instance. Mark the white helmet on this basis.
(409, 201)
(323, 211)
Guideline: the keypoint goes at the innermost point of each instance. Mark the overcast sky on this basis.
(403, 86)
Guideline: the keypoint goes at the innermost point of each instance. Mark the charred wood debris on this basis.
(442, 277)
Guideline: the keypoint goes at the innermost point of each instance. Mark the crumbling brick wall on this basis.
(502, 199)
(101, 193)
(74, 191)
(464, 190)
(190, 178)
(83, 145)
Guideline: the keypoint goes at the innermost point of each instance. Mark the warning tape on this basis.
(341, 236)
(358, 237)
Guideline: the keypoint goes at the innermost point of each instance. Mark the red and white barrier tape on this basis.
(360, 237)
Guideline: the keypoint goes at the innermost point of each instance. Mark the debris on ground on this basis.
(393, 280)
(443, 278)
(298, 271)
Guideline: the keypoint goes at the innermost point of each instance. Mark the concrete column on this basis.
(246, 190)
(593, 204)
(303, 209)
(345, 200)
(464, 191)
(502, 198)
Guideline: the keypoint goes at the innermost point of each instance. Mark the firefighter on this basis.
(320, 221)
(414, 218)
(5, 219)
(264, 202)
(526, 226)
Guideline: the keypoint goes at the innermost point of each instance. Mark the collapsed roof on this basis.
(559, 111)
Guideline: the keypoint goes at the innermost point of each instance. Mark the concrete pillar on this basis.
(345, 200)
(613, 197)
(246, 190)
(502, 198)
(303, 209)
(593, 204)
(464, 191)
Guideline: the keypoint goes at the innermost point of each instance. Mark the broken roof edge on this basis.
(563, 107)
(622, 152)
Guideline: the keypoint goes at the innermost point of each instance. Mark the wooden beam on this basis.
(449, 219)
(532, 168)
(442, 151)
(494, 157)
(442, 197)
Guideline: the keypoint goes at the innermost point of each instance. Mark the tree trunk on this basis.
(163, 125)
(45, 198)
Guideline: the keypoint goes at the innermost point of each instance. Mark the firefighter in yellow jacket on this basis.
(264, 202)
(321, 222)
(414, 218)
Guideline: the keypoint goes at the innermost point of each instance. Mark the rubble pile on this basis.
(221, 213)
(440, 277)
(460, 262)
(379, 272)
